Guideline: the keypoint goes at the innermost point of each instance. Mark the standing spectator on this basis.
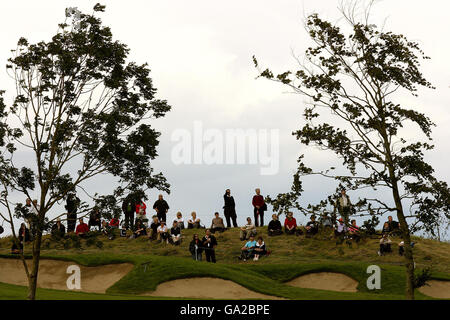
(217, 224)
(163, 232)
(154, 228)
(58, 229)
(141, 211)
(312, 227)
(274, 228)
(196, 248)
(175, 234)
(209, 245)
(194, 222)
(128, 209)
(22, 237)
(180, 220)
(259, 206)
(247, 249)
(95, 219)
(386, 228)
(344, 206)
(72, 204)
(290, 225)
(394, 226)
(247, 230)
(82, 229)
(260, 249)
(229, 209)
(161, 208)
(28, 215)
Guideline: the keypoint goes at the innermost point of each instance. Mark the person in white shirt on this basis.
(248, 230)
(180, 220)
(194, 222)
(163, 232)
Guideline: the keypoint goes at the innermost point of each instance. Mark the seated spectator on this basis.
(180, 220)
(95, 219)
(154, 228)
(82, 229)
(260, 249)
(341, 229)
(195, 247)
(386, 229)
(139, 230)
(114, 223)
(290, 225)
(175, 234)
(194, 222)
(353, 231)
(401, 247)
(326, 221)
(274, 228)
(22, 237)
(385, 245)
(107, 230)
(163, 232)
(247, 249)
(248, 230)
(217, 224)
(394, 226)
(58, 229)
(312, 227)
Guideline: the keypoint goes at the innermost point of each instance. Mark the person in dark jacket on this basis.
(72, 204)
(209, 243)
(260, 249)
(394, 226)
(58, 229)
(312, 227)
(95, 219)
(274, 228)
(259, 206)
(229, 209)
(161, 208)
(154, 228)
(140, 230)
(128, 209)
(175, 234)
(22, 237)
(196, 248)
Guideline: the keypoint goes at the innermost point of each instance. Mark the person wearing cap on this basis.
(163, 232)
(290, 225)
(341, 229)
(312, 227)
(247, 249)
(58, 229)
(175, 233)
(274, 228)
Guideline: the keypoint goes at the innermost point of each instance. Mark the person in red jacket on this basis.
(259, 206)
(140, 211)
(290, 225)
(82, 228)
(114, 223)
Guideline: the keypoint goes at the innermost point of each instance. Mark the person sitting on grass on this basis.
(194, 222)
(95, 219)
(260, 249)
(385, 245)
(394, 226)
(175, 234)
(180, 220)
(353, 231)
(82, 229)
(274, 228)
(140, 230)
(154, 228)
(247, 249)
(22, 237)
(247, 230)
(290, 225)
(114, 223)
(163, 232)
(195, 247)
(58, 230)
(386, 228)
(341, 229)
(107, 230)
(312, 227)
(217, 224)
(326, 221)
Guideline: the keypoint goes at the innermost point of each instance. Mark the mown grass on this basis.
(291, 257)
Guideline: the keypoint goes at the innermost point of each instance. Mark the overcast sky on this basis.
(200, 53)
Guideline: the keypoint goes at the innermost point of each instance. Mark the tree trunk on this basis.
(32, 280)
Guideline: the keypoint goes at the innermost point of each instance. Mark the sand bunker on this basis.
(437, 289)
(325, 281)
(206, 288)
(53, 274)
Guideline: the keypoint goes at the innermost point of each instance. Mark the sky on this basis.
(200, 53)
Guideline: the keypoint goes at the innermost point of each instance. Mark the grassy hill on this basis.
(291, 257)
